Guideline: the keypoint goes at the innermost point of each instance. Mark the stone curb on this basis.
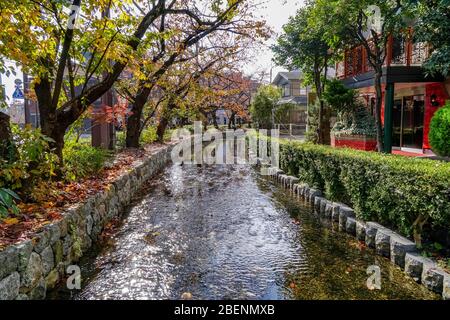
(400, 250)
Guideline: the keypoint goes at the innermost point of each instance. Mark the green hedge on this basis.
(393, 190)
(440, 131)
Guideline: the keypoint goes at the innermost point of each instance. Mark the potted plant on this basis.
(355, 127)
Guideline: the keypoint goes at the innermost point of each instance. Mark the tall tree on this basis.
(433, 27)
(367, 23)
(301, 46)
(263, 106)
(67, 53)
(234, 18)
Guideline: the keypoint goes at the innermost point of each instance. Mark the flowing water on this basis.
(226, 232)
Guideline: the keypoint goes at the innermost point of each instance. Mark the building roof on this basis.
(291, 75)
(302, 100)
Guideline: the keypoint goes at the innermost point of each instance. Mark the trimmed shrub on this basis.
(440, 131)
(83, 160)
(399, 192)
(34, 161)
(148, 135)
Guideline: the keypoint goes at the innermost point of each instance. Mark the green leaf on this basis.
(3, 212)
(11, 193)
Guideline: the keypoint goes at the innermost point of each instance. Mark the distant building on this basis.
(244, 98)
(295, 93)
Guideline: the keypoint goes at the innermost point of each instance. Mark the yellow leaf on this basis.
(11, 221)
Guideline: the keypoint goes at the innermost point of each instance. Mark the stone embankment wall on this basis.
(30, 268)
(385, 242)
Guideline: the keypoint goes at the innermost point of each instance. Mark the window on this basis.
(399, 50)
(419, 53)
(287, 90)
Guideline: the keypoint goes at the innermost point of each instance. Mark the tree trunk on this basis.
(8, 151)
(232, 122)
(216, 125)
(134, 120)
(378, 105)
(161, 129)
(418, 229)
(325, 126)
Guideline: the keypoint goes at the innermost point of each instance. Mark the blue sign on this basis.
(18, 94)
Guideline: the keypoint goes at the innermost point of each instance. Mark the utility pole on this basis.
(2, 92)
(26, 104)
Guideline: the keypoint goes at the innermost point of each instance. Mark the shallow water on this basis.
(225, 232)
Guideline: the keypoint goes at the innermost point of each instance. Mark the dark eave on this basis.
(393, 74)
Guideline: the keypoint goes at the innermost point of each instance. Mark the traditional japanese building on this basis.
(293, 93)
(410, 97)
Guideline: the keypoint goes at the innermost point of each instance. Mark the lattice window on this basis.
(399, 50)
(419, 53)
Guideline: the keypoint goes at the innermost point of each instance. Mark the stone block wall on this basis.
(401, 251)
(30, 268)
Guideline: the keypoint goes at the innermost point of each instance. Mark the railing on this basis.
(291, 131)
(402, 51)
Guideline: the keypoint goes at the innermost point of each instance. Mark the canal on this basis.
(226, 232)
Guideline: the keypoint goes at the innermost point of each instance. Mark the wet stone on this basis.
(67, 243)
(293, 180)
(383, 243)
(318, 203)
(32, 274)
(399, 247)
(335, 212)
(446, 289)
(301, 190)
(414, 265)
(58, 251)
(344, 213)
(89, 224)
(39, 291)
(41, 241)
(350, 226)
(48, 260)
(306, 192)
(328, 209)
(24, 251)
(54, 232)
(9, 287)
(433, 278)
(371, 232)
(313, 194)
(62, 224)
(323, 205)
(52, 279)
(9, 261)
(361, 230)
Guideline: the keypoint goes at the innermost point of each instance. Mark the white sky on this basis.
(275, 12)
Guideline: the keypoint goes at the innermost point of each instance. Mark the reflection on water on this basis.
(224, 232)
